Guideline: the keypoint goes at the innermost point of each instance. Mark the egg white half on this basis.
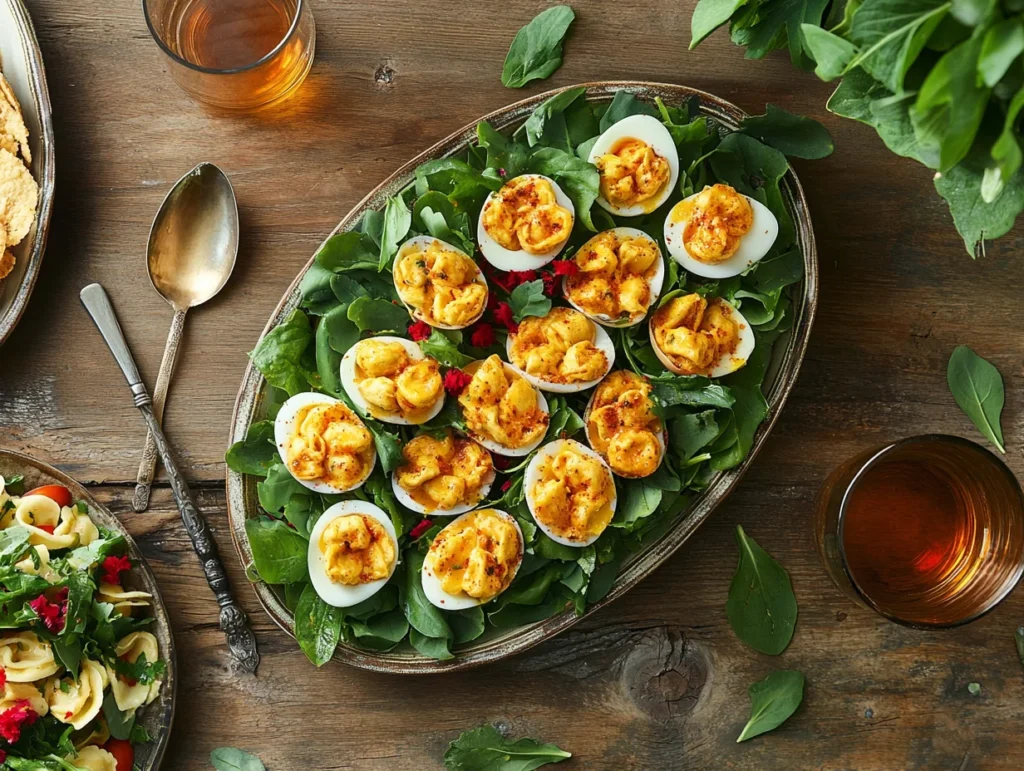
(348, 381)
(284, 428)
(647, 129)
(490, 444)
(506, 259)
(661, 435)
(420, 244)
(728, 363)
(412, 504)
(340, 595)
(656, 282)
(753, 246)
(532, 477)
(432, 584)
(602, 341)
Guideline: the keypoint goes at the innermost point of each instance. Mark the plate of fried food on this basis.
(26, 162)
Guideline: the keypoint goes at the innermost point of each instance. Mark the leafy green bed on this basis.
(348, 293)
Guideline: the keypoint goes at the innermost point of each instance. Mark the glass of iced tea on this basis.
(927, 531)
(235, 54)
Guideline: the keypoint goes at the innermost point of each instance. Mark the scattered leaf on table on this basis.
(974, 688)
(761, 607)
(793, 135)
(1018, 638)
(536, 51)
(484, 749)
(772, 701)
(977, 388)
(231, 759)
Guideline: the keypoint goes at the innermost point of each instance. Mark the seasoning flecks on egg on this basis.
(622, 427)
(353, 552)
(692, 336)
(440, 283)
(501, 409)
(443, 476)
(525, 224)
(391, 379)
(563, 351)
(639, 165)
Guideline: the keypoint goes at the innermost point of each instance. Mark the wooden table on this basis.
(658, 680)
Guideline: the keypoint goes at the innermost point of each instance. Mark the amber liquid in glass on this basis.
(931, 533)
(225, 34)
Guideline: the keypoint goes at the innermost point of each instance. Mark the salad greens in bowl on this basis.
(521, 373)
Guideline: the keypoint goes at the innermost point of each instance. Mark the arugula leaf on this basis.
(231, 759)
(15, 485)
(278, 552)
(772, 701)
(439, 346)
(536, 50)
(484, 749)
(317, 625)
(528, 299)
(581, 180)
(761, 607)
(977, 387)
(397, 221)
(254, 454)
(281, 355)
(14, 542)
(348, 251)
(794, 135)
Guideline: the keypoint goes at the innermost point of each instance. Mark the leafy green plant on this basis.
(977, 387)
(484, 749)
(1018, 639)
(772, 701)
(761, 607)
(941, 81)
(232, 759)
(536, 50)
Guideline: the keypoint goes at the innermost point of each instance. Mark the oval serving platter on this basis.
(787, 357)
(22, 64)
(158, 716)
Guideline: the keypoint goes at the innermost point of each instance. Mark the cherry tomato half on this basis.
(57, 493)
(123, 753)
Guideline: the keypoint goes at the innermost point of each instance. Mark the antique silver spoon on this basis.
(232, 619)
(192, 248)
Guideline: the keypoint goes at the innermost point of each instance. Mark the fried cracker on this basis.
(6, 263)
(8, 93)
(13, 126)
(19, 197)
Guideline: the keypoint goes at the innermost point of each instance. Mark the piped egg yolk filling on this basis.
(477, 555)
(393, 383)
(329, 444)
(614, 275)
(716, 221)
(502, 406)
(696, 335)
(440, 284)
(357, 550)
(444, 473)
(623, 427)
(573, 495)
(524, 215)
(558, 348)
(632, 172)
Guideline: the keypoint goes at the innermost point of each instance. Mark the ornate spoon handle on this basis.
(240, 638)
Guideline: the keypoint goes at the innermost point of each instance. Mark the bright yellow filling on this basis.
(614, 275)
(502, 406)
(716, 221)
(524, 215)
(696, 335)
(440, 284)
(622, 425)
(357, 550)
(394, 384)
(573, 494)
(444, 473)
(558, 348)
(478, 555)
(330, 444)
(632, 173)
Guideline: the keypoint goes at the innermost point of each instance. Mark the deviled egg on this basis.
(503, 412)
(621, 425)
(472, 560)
(525, 224)
(639, 165)
(694, 336)
(619, 276)
(439, 283)
(323, 443)
(562, 352)
(719, 232)
(391, 379)
(570, 492)
(443, 477)
(353, 551)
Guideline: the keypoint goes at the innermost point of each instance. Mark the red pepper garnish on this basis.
(421, 527)
(46, 528)
(113, 567)
(482, 336)
(419, 330)
(68, 714)
(51, 613)
(455, 380)
(13, 718)
(503, 315)
(566, 268)
(505, 485)
(501, 462)
(551, 284)
(3, 677)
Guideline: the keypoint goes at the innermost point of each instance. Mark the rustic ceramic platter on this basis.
(22, 65)
(787, 357)
(158, 716)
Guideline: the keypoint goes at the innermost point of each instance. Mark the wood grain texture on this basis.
(657, 681)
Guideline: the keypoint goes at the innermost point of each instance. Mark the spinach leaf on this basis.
(278, 487)
(435, 214)
(892, 34)
(13, 544)
(508, 156)
(831, 53)
(422, 615)
(281, 355)
(15, 485)
(761, 607)
(709, 15)
(692, 391)
(794, 135)
(467, 625)
(317, 626)
(638, 500)
(433, 647)
(254, 454)
(120, 723)
(231, 759)
(528, 299)
(328, 360)
(464, 185)
(1018, 639)
(510, 615)
(68, 651)
(536, 50)
(397, 221)
(484, 749)
(278, 551)
(315, 288)
(581, 180)
(623, 105)
(536, 125)
(371, 314)
(1002, 44)
(439, 346)
(772, 701)
(348, 251)
(388, 446)
(977, 387)
(390, 626)
(692, 431)
(976, 220)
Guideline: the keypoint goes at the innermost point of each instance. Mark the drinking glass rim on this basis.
(231, 70)
(841, 520)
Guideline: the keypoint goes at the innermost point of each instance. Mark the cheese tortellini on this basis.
(694, 333)
(442, 285)
(122, 600)
(357, 550)
(616, 271)
(476, 555)
(622, 427)
(570, 492)
(525, 216)
(50, 525)
(92, 758)
(130, 696)
(394, 383)
(558, 348)
(501, 406)
(25, 658)
(444, 473)
(328, 444)
(77, 703)
(717, 219)
(632, 172)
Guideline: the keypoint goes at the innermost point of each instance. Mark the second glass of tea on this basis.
(235, 54)
(928, 531)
